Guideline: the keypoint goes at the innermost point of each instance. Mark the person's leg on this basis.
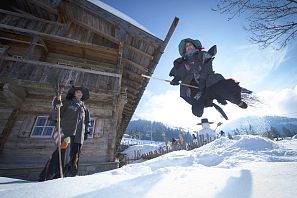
(198, 107)
(227, 90)
(75, 158)
(72, 166)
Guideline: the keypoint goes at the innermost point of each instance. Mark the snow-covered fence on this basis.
(195, 143)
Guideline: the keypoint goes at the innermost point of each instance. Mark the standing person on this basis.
(194, 67)
(75, 119)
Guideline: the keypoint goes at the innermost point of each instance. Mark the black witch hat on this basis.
(84, 90)
(204, 120)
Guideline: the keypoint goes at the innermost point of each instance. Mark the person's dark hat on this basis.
(84, 90)
(182, 45)
(204, 120)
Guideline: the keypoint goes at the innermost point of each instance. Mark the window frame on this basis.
(94, 125)
(43, 128)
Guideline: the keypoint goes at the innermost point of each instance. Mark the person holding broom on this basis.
(75, 120)
(194, 69)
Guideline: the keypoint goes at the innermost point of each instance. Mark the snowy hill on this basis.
(281, 126)
(248, 166)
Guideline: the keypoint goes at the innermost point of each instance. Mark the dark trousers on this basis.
(222, 91)
(71, 167)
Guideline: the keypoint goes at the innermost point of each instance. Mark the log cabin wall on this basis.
(71, 42)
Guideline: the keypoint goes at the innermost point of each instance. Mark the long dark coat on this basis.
(74, 119)
(197, 70)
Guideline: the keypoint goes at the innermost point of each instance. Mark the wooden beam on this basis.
(135, 84)
(21, 41)
(8, 128)
(81, 62)
(61, 39)
(150, 57)
(120, 64)
(30, 17)
(136, 65)
(131, 89)
(130, 95)
(132, 75)
(60, 66)
(103, 34)
(44, 6)
(14, 95)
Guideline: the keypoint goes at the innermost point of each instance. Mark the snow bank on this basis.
(221, 169)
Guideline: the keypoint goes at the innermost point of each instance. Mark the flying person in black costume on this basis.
(194, 67)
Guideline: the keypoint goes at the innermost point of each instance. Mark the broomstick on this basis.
(187, 85)
(59, 96)
(55, 82)
(247, 96)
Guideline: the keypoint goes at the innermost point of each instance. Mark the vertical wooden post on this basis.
(59, 134)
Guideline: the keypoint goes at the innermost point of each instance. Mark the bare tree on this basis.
(269, 21)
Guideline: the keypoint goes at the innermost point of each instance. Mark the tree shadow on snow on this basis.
(238, 186)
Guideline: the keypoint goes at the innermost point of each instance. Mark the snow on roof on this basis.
(119, 14)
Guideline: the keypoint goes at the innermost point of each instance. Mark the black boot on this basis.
(242, 105)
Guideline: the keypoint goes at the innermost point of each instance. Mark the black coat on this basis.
(75, 119)
(197, 70)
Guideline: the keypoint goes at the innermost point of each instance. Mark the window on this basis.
(43, 127)
(91, 128)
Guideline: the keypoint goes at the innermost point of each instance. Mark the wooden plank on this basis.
(39, 63)
(138, 66)
(21, 41)
(44, 6)
(30, 17)
(97, 31)
(150, 57)
(61, 39)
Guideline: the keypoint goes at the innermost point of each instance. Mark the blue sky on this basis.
(271, 74)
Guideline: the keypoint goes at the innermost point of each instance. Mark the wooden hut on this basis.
(47, 41)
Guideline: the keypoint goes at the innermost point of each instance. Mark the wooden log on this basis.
(62, 66)
(60, 39)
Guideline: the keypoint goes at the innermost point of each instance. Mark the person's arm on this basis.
(175, 72)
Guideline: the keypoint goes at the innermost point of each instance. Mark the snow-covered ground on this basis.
(132, 141)
(249, 166)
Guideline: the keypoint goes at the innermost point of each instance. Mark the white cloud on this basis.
(170, 109)
(251, 64)
(281, 102)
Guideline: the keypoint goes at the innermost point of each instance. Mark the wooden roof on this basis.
(103, 52)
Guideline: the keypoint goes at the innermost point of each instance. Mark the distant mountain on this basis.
(277, 125)
(157, 131)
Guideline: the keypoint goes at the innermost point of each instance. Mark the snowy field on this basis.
(249, 166)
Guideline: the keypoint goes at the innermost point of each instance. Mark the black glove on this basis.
(174, 82)
(57, 102)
